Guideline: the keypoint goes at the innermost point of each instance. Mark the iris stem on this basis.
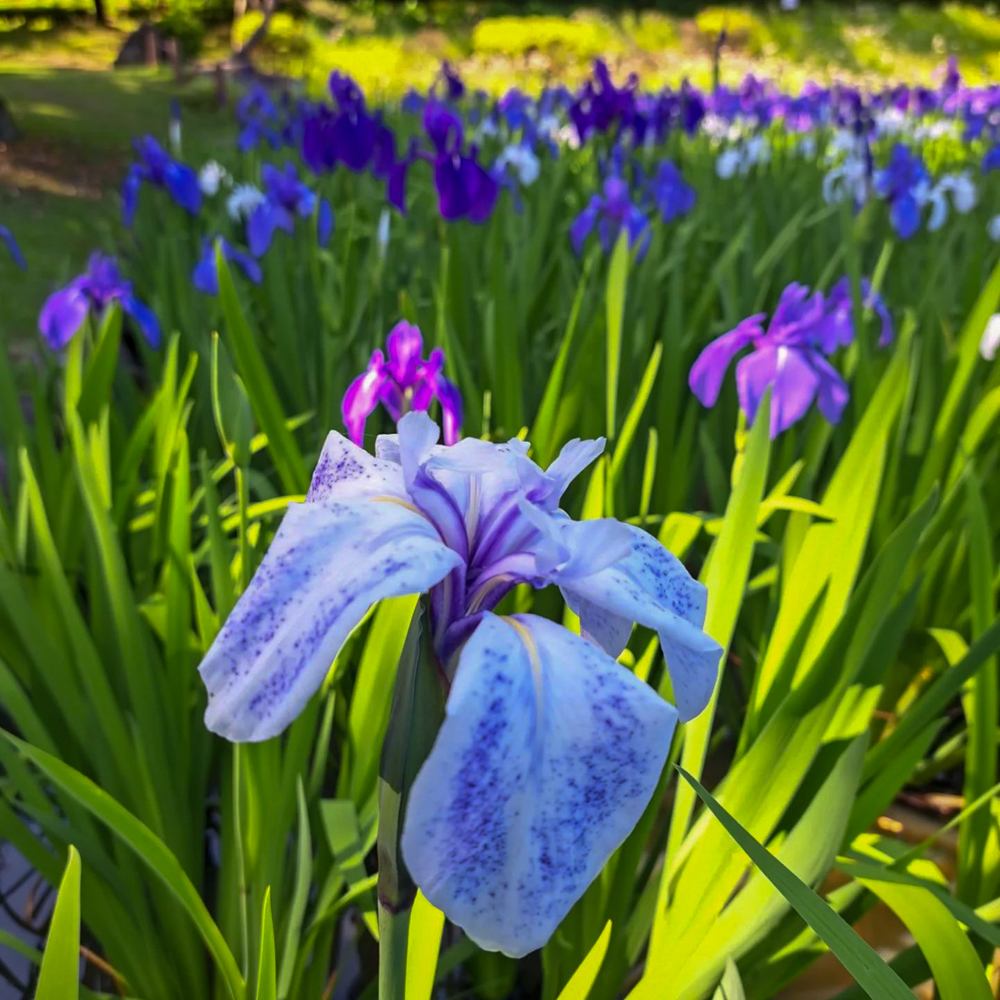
(417, 710)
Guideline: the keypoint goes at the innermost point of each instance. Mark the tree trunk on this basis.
(101, 13)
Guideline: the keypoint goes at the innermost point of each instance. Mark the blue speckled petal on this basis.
(651, 586)
(548, 756)
(328, 563)
(346, 472)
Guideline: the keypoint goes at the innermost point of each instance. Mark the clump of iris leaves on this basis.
(572, 254)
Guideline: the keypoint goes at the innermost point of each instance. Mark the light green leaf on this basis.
(59, 978)
(731, 986)
(303, 879)
(857, 956)
(267, 988)
(423, 946)
(617, 278)
(149, 847)
(581, 982)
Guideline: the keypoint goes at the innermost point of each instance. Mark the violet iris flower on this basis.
(466, 190)
(97, 288)
(839, 330)
(991, 159)
(205, 276)
(349, 135)
(611, 211)
(673, 196)
(788, 358)
(157, 167)
(550, 750)
(904, 182)
(285, 198)
(15, 251)
(405, 382)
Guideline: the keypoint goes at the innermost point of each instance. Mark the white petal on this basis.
(345, 472)
(327, 565)
(548, 756)
(651, 586)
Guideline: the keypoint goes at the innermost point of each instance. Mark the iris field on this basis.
(299, 703)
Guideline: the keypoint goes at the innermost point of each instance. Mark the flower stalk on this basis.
(414, 719)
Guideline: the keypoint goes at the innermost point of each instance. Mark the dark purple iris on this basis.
(157, 167)
(347, 134)
(92, 292)
(600, 104)
(466, 190)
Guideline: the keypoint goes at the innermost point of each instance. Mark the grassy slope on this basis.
(59, 182)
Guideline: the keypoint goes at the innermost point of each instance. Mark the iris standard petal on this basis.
(328, 564)
(405, 345)
(548, 756)
(651, 586)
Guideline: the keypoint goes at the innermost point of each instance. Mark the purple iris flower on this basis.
(454, 88)
(903, 182)
(403, 383)
(788, 358)
(348, 135)
(466, 190)
(285, 198)
(205, 276)
(600, 104)
(550, 750)
(157, 167)
(838, 331)
(673, 196)
(15, 251)
(991, 159)
(611, 211)
(97, 288)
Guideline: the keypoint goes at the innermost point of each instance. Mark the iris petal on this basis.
(548, 756)
(327, 565)
(650, 586)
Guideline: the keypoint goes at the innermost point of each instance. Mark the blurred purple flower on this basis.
(158, 168)
(903, 182)
(611, 211)
(205, 276)
(285, 198)
(466, 190)
(97, 288)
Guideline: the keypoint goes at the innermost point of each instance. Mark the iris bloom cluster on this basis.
(93, 291)
(789, 357)
(404, 382)
(157, 167)
(550, 750)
